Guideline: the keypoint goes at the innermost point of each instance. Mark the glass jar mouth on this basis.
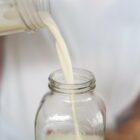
(84, 80)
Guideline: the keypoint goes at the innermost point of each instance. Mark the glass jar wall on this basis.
(54, 119)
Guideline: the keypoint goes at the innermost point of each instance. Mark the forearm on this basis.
(130, 130)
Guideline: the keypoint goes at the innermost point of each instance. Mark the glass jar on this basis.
(54, 119)
(22, 15)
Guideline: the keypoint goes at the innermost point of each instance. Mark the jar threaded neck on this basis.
(84, 82)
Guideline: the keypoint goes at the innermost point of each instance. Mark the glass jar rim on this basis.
(84, 81)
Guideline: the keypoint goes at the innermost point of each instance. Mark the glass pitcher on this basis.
(22, 15)
(54, 119)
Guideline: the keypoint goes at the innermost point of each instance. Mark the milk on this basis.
(72, 137)
(9, 21)
(65, 63)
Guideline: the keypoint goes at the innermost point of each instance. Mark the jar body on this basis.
(54, 119)
(21, 15)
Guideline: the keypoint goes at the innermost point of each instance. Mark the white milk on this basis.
(9, 21)
(66, 64)
(72, 137)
